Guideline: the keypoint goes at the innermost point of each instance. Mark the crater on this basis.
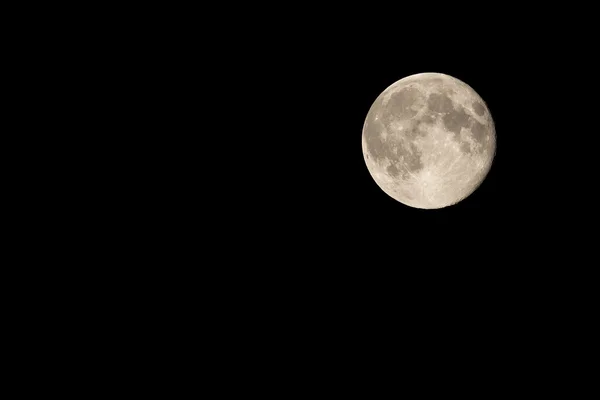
(478, 108)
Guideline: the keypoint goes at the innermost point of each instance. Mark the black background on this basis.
(234, 140)
(242, 147)
(314, 184)
(302, 232)
(293, 186)
(227, 178)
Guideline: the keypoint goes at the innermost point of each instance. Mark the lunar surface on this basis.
(429, 140)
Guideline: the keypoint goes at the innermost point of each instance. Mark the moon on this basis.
(429, 140)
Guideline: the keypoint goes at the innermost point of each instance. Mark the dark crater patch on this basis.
(478, 108)
(479, 131)
(439, 103)
(400, 105)
(465, 147)
(456, 119)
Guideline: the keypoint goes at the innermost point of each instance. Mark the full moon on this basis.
(429, 140)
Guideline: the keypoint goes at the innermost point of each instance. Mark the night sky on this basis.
(281, 140)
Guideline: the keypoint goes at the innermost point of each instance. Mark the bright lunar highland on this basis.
(429, 140)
